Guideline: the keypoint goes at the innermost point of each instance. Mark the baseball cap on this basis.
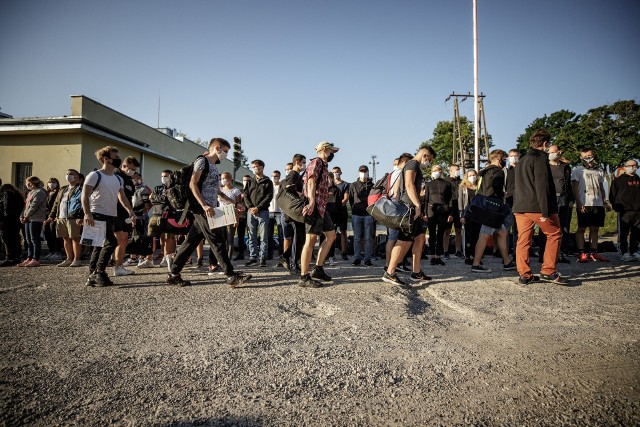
(324, 145)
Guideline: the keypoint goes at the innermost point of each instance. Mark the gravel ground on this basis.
(462, 350)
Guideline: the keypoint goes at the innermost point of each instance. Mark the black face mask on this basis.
(503, 163)
(330, 157)
(116, 163)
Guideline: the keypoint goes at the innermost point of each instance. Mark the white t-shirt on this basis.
(104, 199)
(589, 181)
(232, 193)
(273, 205)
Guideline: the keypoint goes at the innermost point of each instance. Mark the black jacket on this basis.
(358, 194)
(624, 194)
(129, 189)
(258, 193)
(438, 196)
(492, 184)
(535, 191)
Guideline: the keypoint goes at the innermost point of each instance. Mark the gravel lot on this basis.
(462, 350)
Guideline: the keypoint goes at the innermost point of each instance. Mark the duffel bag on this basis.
(392, 214)
(489, 211)
(291, 203)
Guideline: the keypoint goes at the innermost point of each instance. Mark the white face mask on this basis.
(336, 175)
(553, 156)
(255, 171)
(425, 164)
(363, 176)
(165, 180)
(69, 178)
(435, 175)
(221, 154)
(513, 160)
(395, 168)
(130, 172)
(473, 179)
(224, 181)
(630, 169)
(53, 185)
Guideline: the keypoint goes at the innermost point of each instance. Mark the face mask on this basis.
(221, 154)
(303, 166)
(425, 164)
(116, 163)
(165, 180)
(435, 175)
(70, 178)
(395, 168)
(330, 157)
(363, 176)
(244, 183)
(503, 163)
(224, 181)
(630, 169)
(513, 160)
(130, 172)
(255, 171)
(553, 156)
(588, 159)
(337, 175)
(473, 179)
(53, 185)
(286, 173)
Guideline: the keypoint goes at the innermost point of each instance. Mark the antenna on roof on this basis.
(158, 109)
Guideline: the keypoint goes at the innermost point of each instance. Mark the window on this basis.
(22, 171)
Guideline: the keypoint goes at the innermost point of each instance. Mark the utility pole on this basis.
(373, 164)
(480, 127)
(476, 118)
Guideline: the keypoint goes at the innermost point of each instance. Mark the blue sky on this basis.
(369, 76)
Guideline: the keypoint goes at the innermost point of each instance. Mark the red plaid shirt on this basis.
(315, 168)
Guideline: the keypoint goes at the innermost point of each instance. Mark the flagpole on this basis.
(476, 134)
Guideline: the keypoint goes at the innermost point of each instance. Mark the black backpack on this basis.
(179, 196)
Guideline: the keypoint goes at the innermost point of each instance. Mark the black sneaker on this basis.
(307, 282)
(445, 255)
(480, 269)
(238, 279)
(263, 262)
(177, 280)
(459, 255)
(91, 280)
(356, 261)
(101, 279)
(419, 277)
(345, 257)
(555, 278)
(524, 280)
(393, 279)
(9, 263)
(402, 268)
(199, 263)
(509, 267)
(251, 261)
(368, 263)
(285, 263)
(318, 273)
(437, 261)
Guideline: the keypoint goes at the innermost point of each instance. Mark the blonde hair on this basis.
(465, 180)
(105, 152)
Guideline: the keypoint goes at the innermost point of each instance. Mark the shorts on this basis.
(120, 225)
(68, 228)
(593, 217)
(455, 213)
(342, 217)
(320, 225)
(490, 230)
(153, 230)
(418, 227)
(392, 234)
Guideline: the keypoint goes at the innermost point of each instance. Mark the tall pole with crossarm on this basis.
(476, 115)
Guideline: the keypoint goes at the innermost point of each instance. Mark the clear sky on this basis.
(369, 76)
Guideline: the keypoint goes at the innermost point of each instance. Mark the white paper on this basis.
(225, 215)
(94, 235)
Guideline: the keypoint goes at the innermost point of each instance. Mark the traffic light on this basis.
(237, 152)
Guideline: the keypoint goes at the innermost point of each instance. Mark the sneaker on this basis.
(318, 273)
(33, 263)
(92, 280)
(25, 262)
(597, 257)
(177, 280)
(368, 263)
(65, 263)
(437, 261)
(345, 257)
(627, 257)
(480, 269)
(459, 255)
(468, 261)
(419, 277)
(584, 257)
(307, 282)
(59, 257)
(8, 263)
(165, 261)
(524, 280)
(509, 267)
(199, 263)
(102, 279)
(146, 264)
(332, 261)
(263, 263)
(403, 268)
(130, 262)
(445, 255)
(393, 279)
(356, 261)
(251, 262)
(238, 279)
(637, 256)
(76, 263)
(284, 263)
(122, 271)
(555, 278)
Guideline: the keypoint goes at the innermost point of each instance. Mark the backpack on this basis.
(74, 203)
(179, 196)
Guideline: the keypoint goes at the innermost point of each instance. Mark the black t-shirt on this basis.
(129, 189)
(412, 165)
(343, 187)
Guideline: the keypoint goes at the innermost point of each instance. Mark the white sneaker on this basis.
(145, 263)
(332, 261)
(627, 257)
(121, 271)
(130, 262)
(164, 262)
(76, 263)
(65, 263)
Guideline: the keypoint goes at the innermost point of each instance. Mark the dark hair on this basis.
(169, 171)
(337, 167)
(538, 138)
(298, 158)
(54, 180)
(497, 153)
(289, 165)
(246, 176)
(258, 162)
(221, 141)
(80, 176)
(404, 157)
(363, 168)
(430, 150)
(277, 171)
(132, 161)
(454, 165)
(585, 149)
(514, 150)
(74, 171)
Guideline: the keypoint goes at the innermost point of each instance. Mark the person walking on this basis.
(534, 204)
(290, 259)
(205, 186)
(32, 218)
(624, 196)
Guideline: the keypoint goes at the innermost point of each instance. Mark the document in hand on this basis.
(225, 215)
(94, 235)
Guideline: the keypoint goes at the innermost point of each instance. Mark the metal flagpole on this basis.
(476, 132)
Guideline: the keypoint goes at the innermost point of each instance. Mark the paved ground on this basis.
(461, 350)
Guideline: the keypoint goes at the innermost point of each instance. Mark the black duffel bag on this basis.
(489, 211)
(392, 214)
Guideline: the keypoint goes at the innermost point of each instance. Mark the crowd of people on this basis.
(535, 190)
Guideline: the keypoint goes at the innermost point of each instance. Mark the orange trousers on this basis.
(551, 228)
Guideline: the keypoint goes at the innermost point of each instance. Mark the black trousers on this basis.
(50, 235)
(437, 225)
(216, 239)
(101, 255)
(471, 234)
(629, 223)
(10, 234)
(295, 250)
(242, 229)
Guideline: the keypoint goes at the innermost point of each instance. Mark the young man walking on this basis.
(316, 189)
(534, 204)
(625, 199)
(207, 200)
(100, 195)
(257, 197)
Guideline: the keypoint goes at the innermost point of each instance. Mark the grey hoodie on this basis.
(36, 205)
